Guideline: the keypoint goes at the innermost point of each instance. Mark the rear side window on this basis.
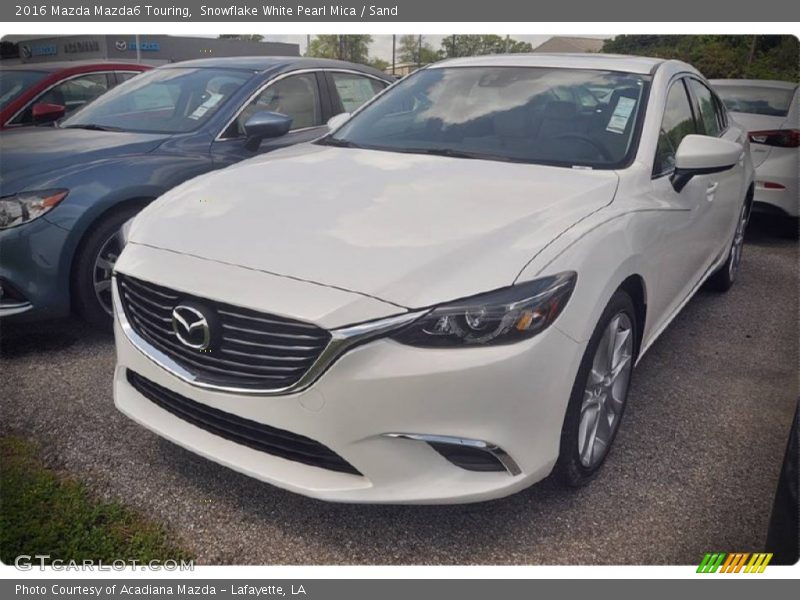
(677, 123)
(123, 76)
(355, 90)
(773, 102)
(708, 109)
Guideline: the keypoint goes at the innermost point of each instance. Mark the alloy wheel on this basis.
(738, 244)
(606, 390)
(104, 267)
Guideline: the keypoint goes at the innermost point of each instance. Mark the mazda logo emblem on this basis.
(121, 45)
(191, 327)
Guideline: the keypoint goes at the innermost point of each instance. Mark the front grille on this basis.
(249, 349)
(252, 434)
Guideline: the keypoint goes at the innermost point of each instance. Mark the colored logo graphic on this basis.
(735, 562)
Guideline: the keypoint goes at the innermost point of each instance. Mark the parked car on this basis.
(67, 191)
(769, 112)
(39, 93)
(442, 300)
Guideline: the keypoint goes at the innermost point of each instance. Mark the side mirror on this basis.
(265, 124)
(701, 155)
(47, 113)
(338, 120)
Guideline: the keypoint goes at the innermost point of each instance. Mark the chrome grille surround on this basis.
(252, 349)
(339, 341)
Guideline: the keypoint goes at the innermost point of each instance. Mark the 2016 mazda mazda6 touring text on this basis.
(443, 299)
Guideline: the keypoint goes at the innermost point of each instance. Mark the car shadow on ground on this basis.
(768, 230)
(22, 339)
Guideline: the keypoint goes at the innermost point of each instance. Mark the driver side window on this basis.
(296, 97)
(677, 123)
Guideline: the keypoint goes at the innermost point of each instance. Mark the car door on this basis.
(349, 90)
(300, 96)
(725, 190)
(685, 245)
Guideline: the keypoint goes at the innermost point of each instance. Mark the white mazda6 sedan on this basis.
(442, 300)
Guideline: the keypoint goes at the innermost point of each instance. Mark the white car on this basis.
(768, 110)
(442, 300)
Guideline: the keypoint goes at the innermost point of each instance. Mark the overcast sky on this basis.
(382, 44)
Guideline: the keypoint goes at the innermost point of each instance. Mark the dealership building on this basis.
(148, 49)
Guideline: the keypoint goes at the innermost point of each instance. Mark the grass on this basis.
(44, 513)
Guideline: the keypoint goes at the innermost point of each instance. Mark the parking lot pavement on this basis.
(694, 467)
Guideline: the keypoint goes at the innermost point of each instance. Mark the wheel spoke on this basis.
(587, 430)
(610, 341)
(620, 345)
(106, 264)
(102, 285)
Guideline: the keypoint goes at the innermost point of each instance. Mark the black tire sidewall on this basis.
(85, 302)
(569, 468)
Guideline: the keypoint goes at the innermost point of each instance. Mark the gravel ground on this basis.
(693, 469)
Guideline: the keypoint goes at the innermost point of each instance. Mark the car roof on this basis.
(54, 67)
(260, 64)
(765, 83)
(604, 62)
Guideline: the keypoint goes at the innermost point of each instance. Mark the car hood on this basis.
(409, 229)
(34, 151)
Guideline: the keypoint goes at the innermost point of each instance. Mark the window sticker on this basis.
(622, 112)
(210, 103)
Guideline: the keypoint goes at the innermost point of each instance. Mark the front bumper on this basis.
(513, 397)
(31, 258)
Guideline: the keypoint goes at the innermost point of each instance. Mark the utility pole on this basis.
(394, 48)
(419, 52)
(454, 46)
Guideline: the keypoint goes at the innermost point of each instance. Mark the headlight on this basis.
(500, 317)
(27, 206)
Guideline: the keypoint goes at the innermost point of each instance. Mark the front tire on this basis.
(599, 394)
(91, 275)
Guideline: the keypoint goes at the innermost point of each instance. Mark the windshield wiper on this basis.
(450, 152)
(93, 127)
(330, 141)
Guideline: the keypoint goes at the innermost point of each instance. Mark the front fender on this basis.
(102, 186)
(605, 251)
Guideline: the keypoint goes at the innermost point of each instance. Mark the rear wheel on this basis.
(725, 277)
(599, 394)
(94, 265)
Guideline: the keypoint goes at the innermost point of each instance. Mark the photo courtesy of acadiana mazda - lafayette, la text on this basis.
(443, 299)
(68, 191)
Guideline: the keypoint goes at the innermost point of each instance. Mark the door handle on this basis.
(711, 189)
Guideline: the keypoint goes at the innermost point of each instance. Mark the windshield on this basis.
(162, 101)
(768, 101)
(566, 117)
(13, 83)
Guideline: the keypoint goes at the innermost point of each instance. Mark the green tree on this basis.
(354, 48)
(475, 45)
(379, 63)
(255, 37)
(411, 51)
(720, 56)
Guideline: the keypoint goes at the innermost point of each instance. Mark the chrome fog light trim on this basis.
(497, 452)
